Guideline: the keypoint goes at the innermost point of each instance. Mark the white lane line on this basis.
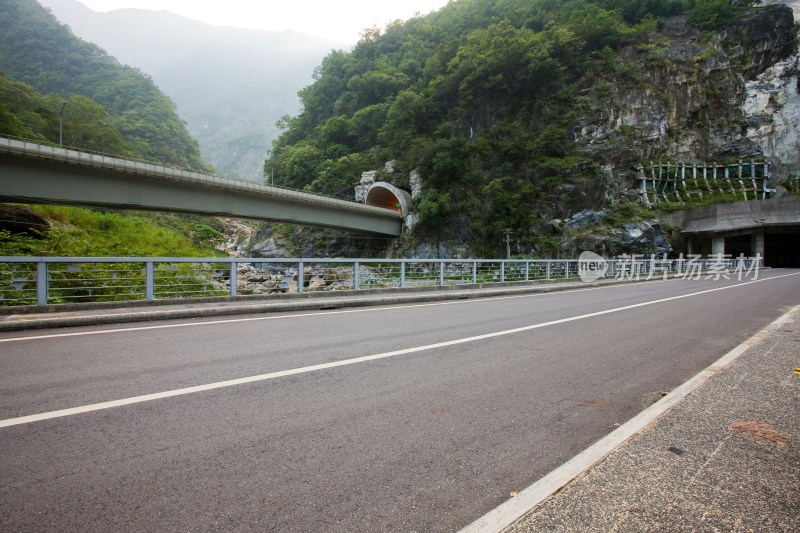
(312, 314)
(346, 362)
(514, 509)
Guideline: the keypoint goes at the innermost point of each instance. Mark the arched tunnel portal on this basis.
(387, 195)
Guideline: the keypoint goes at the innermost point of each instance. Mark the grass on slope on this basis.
(79, 232)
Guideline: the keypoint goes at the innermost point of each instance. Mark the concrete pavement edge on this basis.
(528, 499)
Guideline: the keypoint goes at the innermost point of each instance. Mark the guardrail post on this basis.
(234, 278)
(474, 272)
(301, 278)
(527, 270)
(356, 275)
(566, 269)
(41, 283)
(441, 273)
(402, 274)
(149, 281)
(548, 269)
(502, 271)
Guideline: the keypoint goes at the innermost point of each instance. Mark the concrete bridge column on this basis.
(757, 242)
(717, 245)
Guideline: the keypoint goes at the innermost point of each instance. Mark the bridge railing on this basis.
(43, 281)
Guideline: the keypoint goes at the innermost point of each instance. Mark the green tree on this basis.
(716, 14)
(87, 125)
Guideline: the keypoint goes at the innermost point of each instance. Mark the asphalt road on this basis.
(463, 403)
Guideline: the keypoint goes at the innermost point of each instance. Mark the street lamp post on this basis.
(508, 232)
(61, 125)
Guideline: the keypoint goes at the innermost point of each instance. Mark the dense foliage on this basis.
(109, 107)
(481, 97)
(31, 115)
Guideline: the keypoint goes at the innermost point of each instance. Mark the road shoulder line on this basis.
(512, 510)
(345, 362)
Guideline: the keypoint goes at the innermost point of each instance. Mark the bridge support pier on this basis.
(717, 245)
(757, 242)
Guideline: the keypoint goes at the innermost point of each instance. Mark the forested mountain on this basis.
(28, 114)
(517, 113)
(231, 85)
(109, 107)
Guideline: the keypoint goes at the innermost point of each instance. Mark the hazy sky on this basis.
(342, 20)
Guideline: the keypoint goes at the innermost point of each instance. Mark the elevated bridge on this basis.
(34, 173)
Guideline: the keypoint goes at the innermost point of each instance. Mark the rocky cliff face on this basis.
(685, 97)
(772, 107)
(699, 99)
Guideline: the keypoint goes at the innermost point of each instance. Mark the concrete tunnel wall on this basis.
(387, 195)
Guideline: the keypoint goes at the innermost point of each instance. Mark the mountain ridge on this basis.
(231, 85)
(78, 84)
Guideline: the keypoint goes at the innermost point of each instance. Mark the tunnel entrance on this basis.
(387, 195)
(383, 198)
(782, 250)
(739, 245)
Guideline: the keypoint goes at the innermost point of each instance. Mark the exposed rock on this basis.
(317, 283)
(794, 4)
(442, 248)
(772, 108)
(238, 235)
(289, 287)
(585, 218)
(646, 238)
(269, 248)
(416, 183)
(763, 38)
(367, 180)
(20, 219)
(690, 101)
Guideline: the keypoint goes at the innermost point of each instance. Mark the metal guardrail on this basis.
(52, 280)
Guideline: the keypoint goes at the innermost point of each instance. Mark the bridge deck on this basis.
(36, 173)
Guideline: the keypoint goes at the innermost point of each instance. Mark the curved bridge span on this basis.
(34, 173)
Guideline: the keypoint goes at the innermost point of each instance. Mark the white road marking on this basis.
(512, 510)
(322, 313)
(346, 362)
(308, 314)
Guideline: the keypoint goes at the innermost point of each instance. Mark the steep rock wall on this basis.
(771, 108)
(684, 96)
(697, 99)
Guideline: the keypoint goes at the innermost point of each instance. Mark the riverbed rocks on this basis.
(258, 278)
(237, 237)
